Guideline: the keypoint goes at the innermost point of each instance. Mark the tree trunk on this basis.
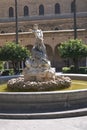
(15, 67)
(76, 65)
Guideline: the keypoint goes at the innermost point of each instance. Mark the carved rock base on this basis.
(20, 84)
(39, 74)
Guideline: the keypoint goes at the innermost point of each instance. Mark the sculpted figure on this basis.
(37, 32)
(39, 57)
(39, 49)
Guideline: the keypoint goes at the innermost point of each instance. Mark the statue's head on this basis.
(35, 26)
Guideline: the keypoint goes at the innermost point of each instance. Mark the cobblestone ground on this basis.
(77, 123)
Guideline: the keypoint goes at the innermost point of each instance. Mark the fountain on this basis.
(38, 74)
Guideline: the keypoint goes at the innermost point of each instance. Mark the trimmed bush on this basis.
(71, 69)
(66, 70)
(83, 70)
(5, 73)
(8, 72)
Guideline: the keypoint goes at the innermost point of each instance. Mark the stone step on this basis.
(49, 115)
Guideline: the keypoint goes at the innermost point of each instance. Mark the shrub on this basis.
(8, 72)
(71, 69)
(14, 53)
(66, 70)
(5, 73)
(74, 49)
(83, 70)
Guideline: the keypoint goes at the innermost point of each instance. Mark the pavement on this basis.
(76, 123)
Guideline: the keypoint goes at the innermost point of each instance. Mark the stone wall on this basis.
(53, 24)
(48, 21)
(42, 101)
(51, 39)
(34, 6)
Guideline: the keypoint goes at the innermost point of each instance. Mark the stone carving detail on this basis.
(38, 68)
(38, 74)
(59, 83)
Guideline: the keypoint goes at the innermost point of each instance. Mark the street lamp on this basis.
(75, 22)
(16, 20)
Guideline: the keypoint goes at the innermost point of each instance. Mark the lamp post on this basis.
(75, 22)
(16, 20)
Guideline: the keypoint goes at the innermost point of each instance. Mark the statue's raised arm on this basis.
(37, 32)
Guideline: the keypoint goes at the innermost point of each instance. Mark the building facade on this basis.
(49, 14)
(53, 16)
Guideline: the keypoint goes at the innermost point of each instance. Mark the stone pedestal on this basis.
(39, 74)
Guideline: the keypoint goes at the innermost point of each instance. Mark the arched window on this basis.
(20, 30)
(2, 32)
(11, 12)
(56, 28)
(41, 10)
(57, 8)
(26, 11)
(72, 7)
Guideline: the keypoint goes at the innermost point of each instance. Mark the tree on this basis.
(15, 53)
(73, 49)
(1, 65)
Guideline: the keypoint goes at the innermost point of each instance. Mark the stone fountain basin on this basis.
(42, 102)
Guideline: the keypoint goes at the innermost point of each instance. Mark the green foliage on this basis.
(81, 70)
(1, 65)
(13, 52)
(66, 70)
(7, 72)
(73, 49)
